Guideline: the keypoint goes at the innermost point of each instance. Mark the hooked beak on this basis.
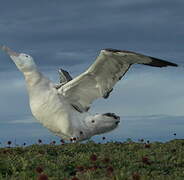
(9, 51)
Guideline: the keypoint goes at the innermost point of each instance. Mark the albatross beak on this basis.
(9, 51)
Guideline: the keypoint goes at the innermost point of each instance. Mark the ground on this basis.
(91, 161)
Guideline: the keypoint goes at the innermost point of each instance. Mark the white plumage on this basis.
(63, 108)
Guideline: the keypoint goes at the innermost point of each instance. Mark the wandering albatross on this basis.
(63, 108)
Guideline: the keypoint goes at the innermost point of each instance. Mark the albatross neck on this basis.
(33, 77)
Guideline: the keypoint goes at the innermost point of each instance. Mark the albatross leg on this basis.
(64, 77)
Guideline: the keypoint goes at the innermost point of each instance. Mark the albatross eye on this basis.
(27, 56)
(93, 121)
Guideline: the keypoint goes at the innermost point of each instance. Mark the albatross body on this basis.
(63, 108)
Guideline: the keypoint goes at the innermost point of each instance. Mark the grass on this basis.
(91, 161)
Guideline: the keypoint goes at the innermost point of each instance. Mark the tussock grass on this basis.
(91, 161)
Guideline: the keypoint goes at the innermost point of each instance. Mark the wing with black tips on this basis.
(99, 79)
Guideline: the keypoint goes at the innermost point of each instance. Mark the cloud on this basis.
(144, 26)
(25, 120)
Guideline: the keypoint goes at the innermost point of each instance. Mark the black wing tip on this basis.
(160, 63)
(155, 61)
(112, 50)
(117, 50)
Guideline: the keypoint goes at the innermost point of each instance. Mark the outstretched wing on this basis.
(98, 80)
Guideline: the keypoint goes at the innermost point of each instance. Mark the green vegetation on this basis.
(91, 161)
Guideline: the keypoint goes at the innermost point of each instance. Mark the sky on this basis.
(70, 35)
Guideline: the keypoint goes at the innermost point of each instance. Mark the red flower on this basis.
(41, 152)
(106, 160)
(146, 160)
(80, 168)
(43, 177)
(5, 151)
(147, 145)
(39, 169)
(136, 176)
(75, 178)
(93, 157)
(110, 169)
(93, 168)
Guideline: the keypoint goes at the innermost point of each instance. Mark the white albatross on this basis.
(63, 108)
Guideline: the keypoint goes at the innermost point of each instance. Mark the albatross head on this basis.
(24, 62)
(102, 123)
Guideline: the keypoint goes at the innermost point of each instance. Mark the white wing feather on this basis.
(98, 80)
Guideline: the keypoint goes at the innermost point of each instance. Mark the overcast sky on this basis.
(70, 34)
